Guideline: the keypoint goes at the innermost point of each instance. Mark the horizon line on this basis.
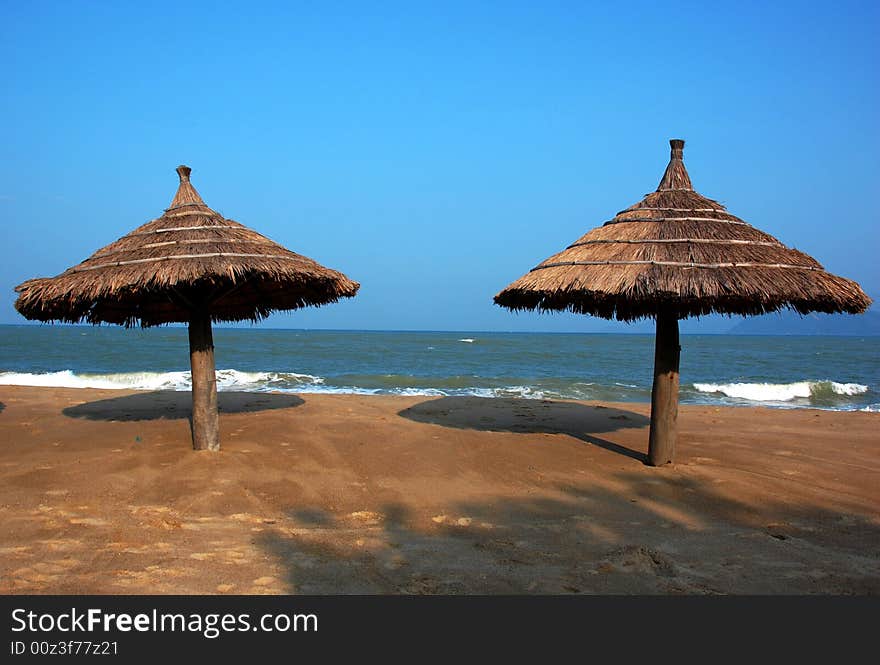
(257, 327)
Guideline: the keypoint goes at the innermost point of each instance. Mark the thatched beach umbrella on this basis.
(193, 266)
(672, 255)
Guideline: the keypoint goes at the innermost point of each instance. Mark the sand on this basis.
(101, 493)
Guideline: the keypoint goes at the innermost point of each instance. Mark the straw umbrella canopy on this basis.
(673, 255)
(193, 266)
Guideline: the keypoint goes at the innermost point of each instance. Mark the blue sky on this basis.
(434, 151)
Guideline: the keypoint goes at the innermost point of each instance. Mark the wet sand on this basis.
(101, 493)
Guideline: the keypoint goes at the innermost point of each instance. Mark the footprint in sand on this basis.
(21, 549)
(201, 556)
(88, 521)
(397, 561)
(61, 544)
(460, 521)
(132, 548)
(366, 516)
(637, 559)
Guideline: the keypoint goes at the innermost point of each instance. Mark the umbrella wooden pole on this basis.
(664, 394)
(205, 418)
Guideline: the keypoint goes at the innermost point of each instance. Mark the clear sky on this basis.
(434, 151)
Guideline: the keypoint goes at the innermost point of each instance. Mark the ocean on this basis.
(840, 373)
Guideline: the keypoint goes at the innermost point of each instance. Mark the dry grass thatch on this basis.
(679, 250)
(191, 259)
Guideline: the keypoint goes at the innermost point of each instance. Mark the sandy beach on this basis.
(101, 493)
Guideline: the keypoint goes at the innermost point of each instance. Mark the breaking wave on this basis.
(817, 391)
(816, 394)
(358, 384)
(227, 379)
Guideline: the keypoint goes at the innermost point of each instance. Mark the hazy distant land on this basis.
(791, 323)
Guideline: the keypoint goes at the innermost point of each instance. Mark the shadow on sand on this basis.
(530, 416)
(173, 405)
(643, 533)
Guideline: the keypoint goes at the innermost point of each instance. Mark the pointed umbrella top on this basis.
(186, 194)
(676, 176)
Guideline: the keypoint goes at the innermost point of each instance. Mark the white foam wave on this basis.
(67, 379)
(801, 393)
(519, 391)
(467, 340)
(781, 392)
(227, 379)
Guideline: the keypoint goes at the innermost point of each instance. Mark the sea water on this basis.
(840, 373)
